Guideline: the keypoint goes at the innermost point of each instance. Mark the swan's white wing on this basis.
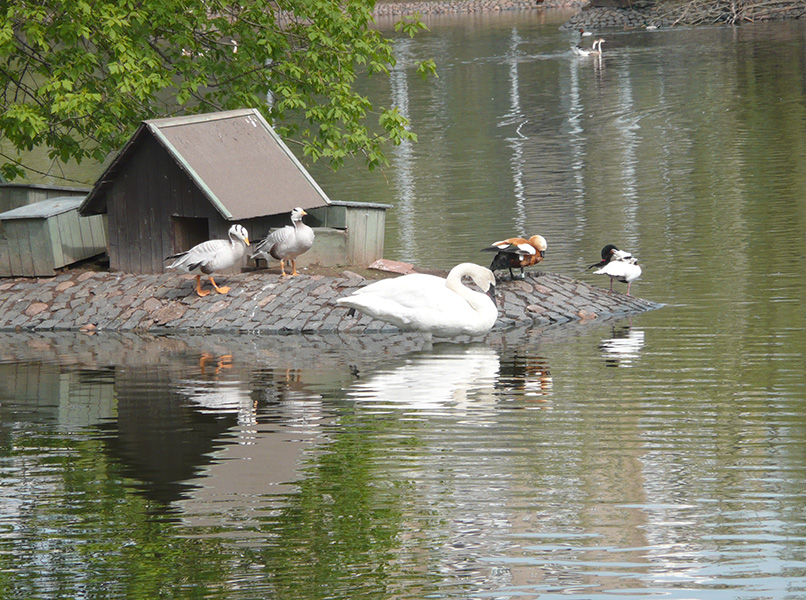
(418, 301)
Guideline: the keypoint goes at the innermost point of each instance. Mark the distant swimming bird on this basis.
(431, 304)
(211, 256)
(517, 252)
(594, 50)
(618, 264)
(288, 243)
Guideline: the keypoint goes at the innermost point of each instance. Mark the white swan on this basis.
(624, 270)
(211, 256)
(431, 304)
(594, 50)
(287, 243)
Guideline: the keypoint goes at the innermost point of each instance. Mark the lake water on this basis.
(662, 456)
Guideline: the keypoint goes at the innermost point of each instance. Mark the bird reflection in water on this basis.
(449, 376)
(288, 395)
(624, 347)
(220, 398)
(526, 373)
(209, 392)
(221, 362)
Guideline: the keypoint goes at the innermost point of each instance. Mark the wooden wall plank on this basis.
(15, 251)
(130, 199)
(5, 262)
(39, 260)
(71, 237)
(85, 236)
(118, 239)
(58, 238)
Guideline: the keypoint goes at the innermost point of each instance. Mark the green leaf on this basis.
(80, 76)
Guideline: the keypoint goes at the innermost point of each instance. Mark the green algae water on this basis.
(661, 456)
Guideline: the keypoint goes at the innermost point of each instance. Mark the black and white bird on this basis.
(287, 243)
(619, 265)
(610, 252)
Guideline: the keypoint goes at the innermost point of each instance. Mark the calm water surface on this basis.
(662, 456)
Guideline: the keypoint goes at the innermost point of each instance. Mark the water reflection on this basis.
(526, 375)
(366, 467)
(402, 155)
(624, 347)
(451, 377)
(515, 117)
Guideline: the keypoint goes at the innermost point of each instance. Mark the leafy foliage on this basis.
(77, 77)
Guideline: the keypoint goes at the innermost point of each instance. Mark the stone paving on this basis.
(264, 303)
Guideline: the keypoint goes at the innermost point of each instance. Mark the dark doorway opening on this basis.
(186, 232)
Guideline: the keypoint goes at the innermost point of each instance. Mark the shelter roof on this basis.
(235, 158)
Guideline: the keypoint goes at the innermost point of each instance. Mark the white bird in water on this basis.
(288, 243)
(594, 50)
(212, 256)
(431, 304)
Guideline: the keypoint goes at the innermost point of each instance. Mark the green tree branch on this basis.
(76, 78)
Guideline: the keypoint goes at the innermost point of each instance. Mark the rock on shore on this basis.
(592, 19)
(443, 7)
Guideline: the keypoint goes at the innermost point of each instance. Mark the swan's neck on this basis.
(455, 284)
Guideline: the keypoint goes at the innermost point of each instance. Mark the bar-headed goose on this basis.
(287, 243)
(212, 256)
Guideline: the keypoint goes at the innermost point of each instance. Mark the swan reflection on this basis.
(624, 347)
(457, 377)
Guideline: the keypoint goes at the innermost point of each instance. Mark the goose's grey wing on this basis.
(276, 239)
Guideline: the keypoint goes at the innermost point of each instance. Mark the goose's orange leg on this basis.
(294, 266)
(200, 291)
(220, 290)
